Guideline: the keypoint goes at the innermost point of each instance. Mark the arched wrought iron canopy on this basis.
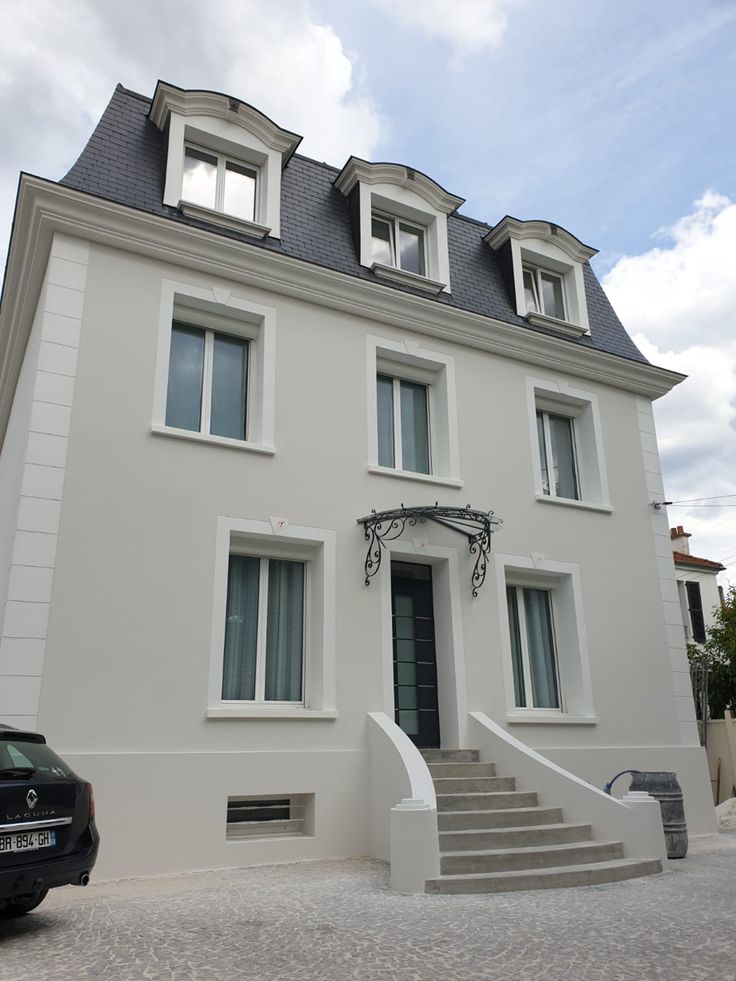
(385, 526)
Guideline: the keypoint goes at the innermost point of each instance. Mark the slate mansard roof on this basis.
(124, 162)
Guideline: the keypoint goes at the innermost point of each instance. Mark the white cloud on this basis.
(679, 301)
(683, 292)
(469, 25)
(59, 63)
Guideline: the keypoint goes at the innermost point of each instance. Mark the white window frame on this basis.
(557, 397)
(205, 411)
(222, 161)
(217, 310)
(536, 273)
(396, 401)
(395, 222)
(563, 582)
(277, 538)
(548, 451)
(243, 548)
(408, 361)
(524, 643)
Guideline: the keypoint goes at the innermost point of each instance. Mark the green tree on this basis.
(718, 655)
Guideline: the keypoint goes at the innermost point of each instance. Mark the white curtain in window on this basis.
(541, 648)
(241, 628)
(284, 635)
(516, 655)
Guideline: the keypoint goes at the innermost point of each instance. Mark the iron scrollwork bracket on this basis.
(381, 527)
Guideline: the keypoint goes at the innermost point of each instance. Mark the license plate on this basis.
(27, 841)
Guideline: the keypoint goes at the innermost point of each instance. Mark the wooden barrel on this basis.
(665, 788)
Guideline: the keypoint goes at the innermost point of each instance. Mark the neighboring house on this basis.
(697, 586)
(217, 359)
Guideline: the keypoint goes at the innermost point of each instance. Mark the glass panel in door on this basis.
(415, 658)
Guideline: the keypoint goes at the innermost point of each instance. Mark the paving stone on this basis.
(338, 920)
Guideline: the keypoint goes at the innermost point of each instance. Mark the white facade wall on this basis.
(128, 646)
(32, 478)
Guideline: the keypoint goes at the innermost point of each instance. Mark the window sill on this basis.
(232, 444)
(277, 712)
(220, 218)
(569, 502)
(536, 718)
(407, 278)
(542, 320)
(424, 478)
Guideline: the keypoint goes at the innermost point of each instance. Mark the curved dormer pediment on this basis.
(543, 267)
(224, 158)
(399, 222)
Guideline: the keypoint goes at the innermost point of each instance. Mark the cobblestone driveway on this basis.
(337, 920)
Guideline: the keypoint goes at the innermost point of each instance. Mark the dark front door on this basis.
(415, 658)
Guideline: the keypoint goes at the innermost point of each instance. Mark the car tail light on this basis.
(91, 801)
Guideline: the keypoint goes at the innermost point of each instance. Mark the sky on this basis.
(617, 121)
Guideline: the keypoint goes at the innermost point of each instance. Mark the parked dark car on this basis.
(48, 835)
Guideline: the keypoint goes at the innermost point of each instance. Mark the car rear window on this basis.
(23, 753)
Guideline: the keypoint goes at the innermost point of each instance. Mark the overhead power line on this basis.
(693, 500)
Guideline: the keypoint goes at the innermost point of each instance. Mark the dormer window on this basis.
(397, 243)
(543, 268)
(544, 292)
(218, 183)
(399, 219)
(223, 159)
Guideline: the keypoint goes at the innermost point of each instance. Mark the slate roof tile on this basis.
(124, 162)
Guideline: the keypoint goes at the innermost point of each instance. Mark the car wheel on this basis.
(19, 905)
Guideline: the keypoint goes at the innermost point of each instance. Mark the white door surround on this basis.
(446, 583)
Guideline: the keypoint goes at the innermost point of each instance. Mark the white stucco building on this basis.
(697, 587)
(216, 356)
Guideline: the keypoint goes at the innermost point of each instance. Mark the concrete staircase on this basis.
(494, 838)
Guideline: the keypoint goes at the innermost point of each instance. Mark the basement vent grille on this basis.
(266, 817)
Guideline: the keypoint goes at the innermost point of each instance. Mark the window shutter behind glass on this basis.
(241, 629)
(695, 605)
(285, 631)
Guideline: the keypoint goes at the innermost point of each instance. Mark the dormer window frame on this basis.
(536, 276)
(396, 224)
(222, 161)
(399, 195)
(231, 130)
(539, 248)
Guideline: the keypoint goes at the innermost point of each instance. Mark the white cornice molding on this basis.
(545, 231)
(358, 171)
(169, 98)
(44, 208)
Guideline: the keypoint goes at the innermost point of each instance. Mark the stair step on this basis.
(539, 857)
(549, 878)
(450, 755)
(486, 802)
(474, 839)
(510, 817)
(472, 785)
(439, 770)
